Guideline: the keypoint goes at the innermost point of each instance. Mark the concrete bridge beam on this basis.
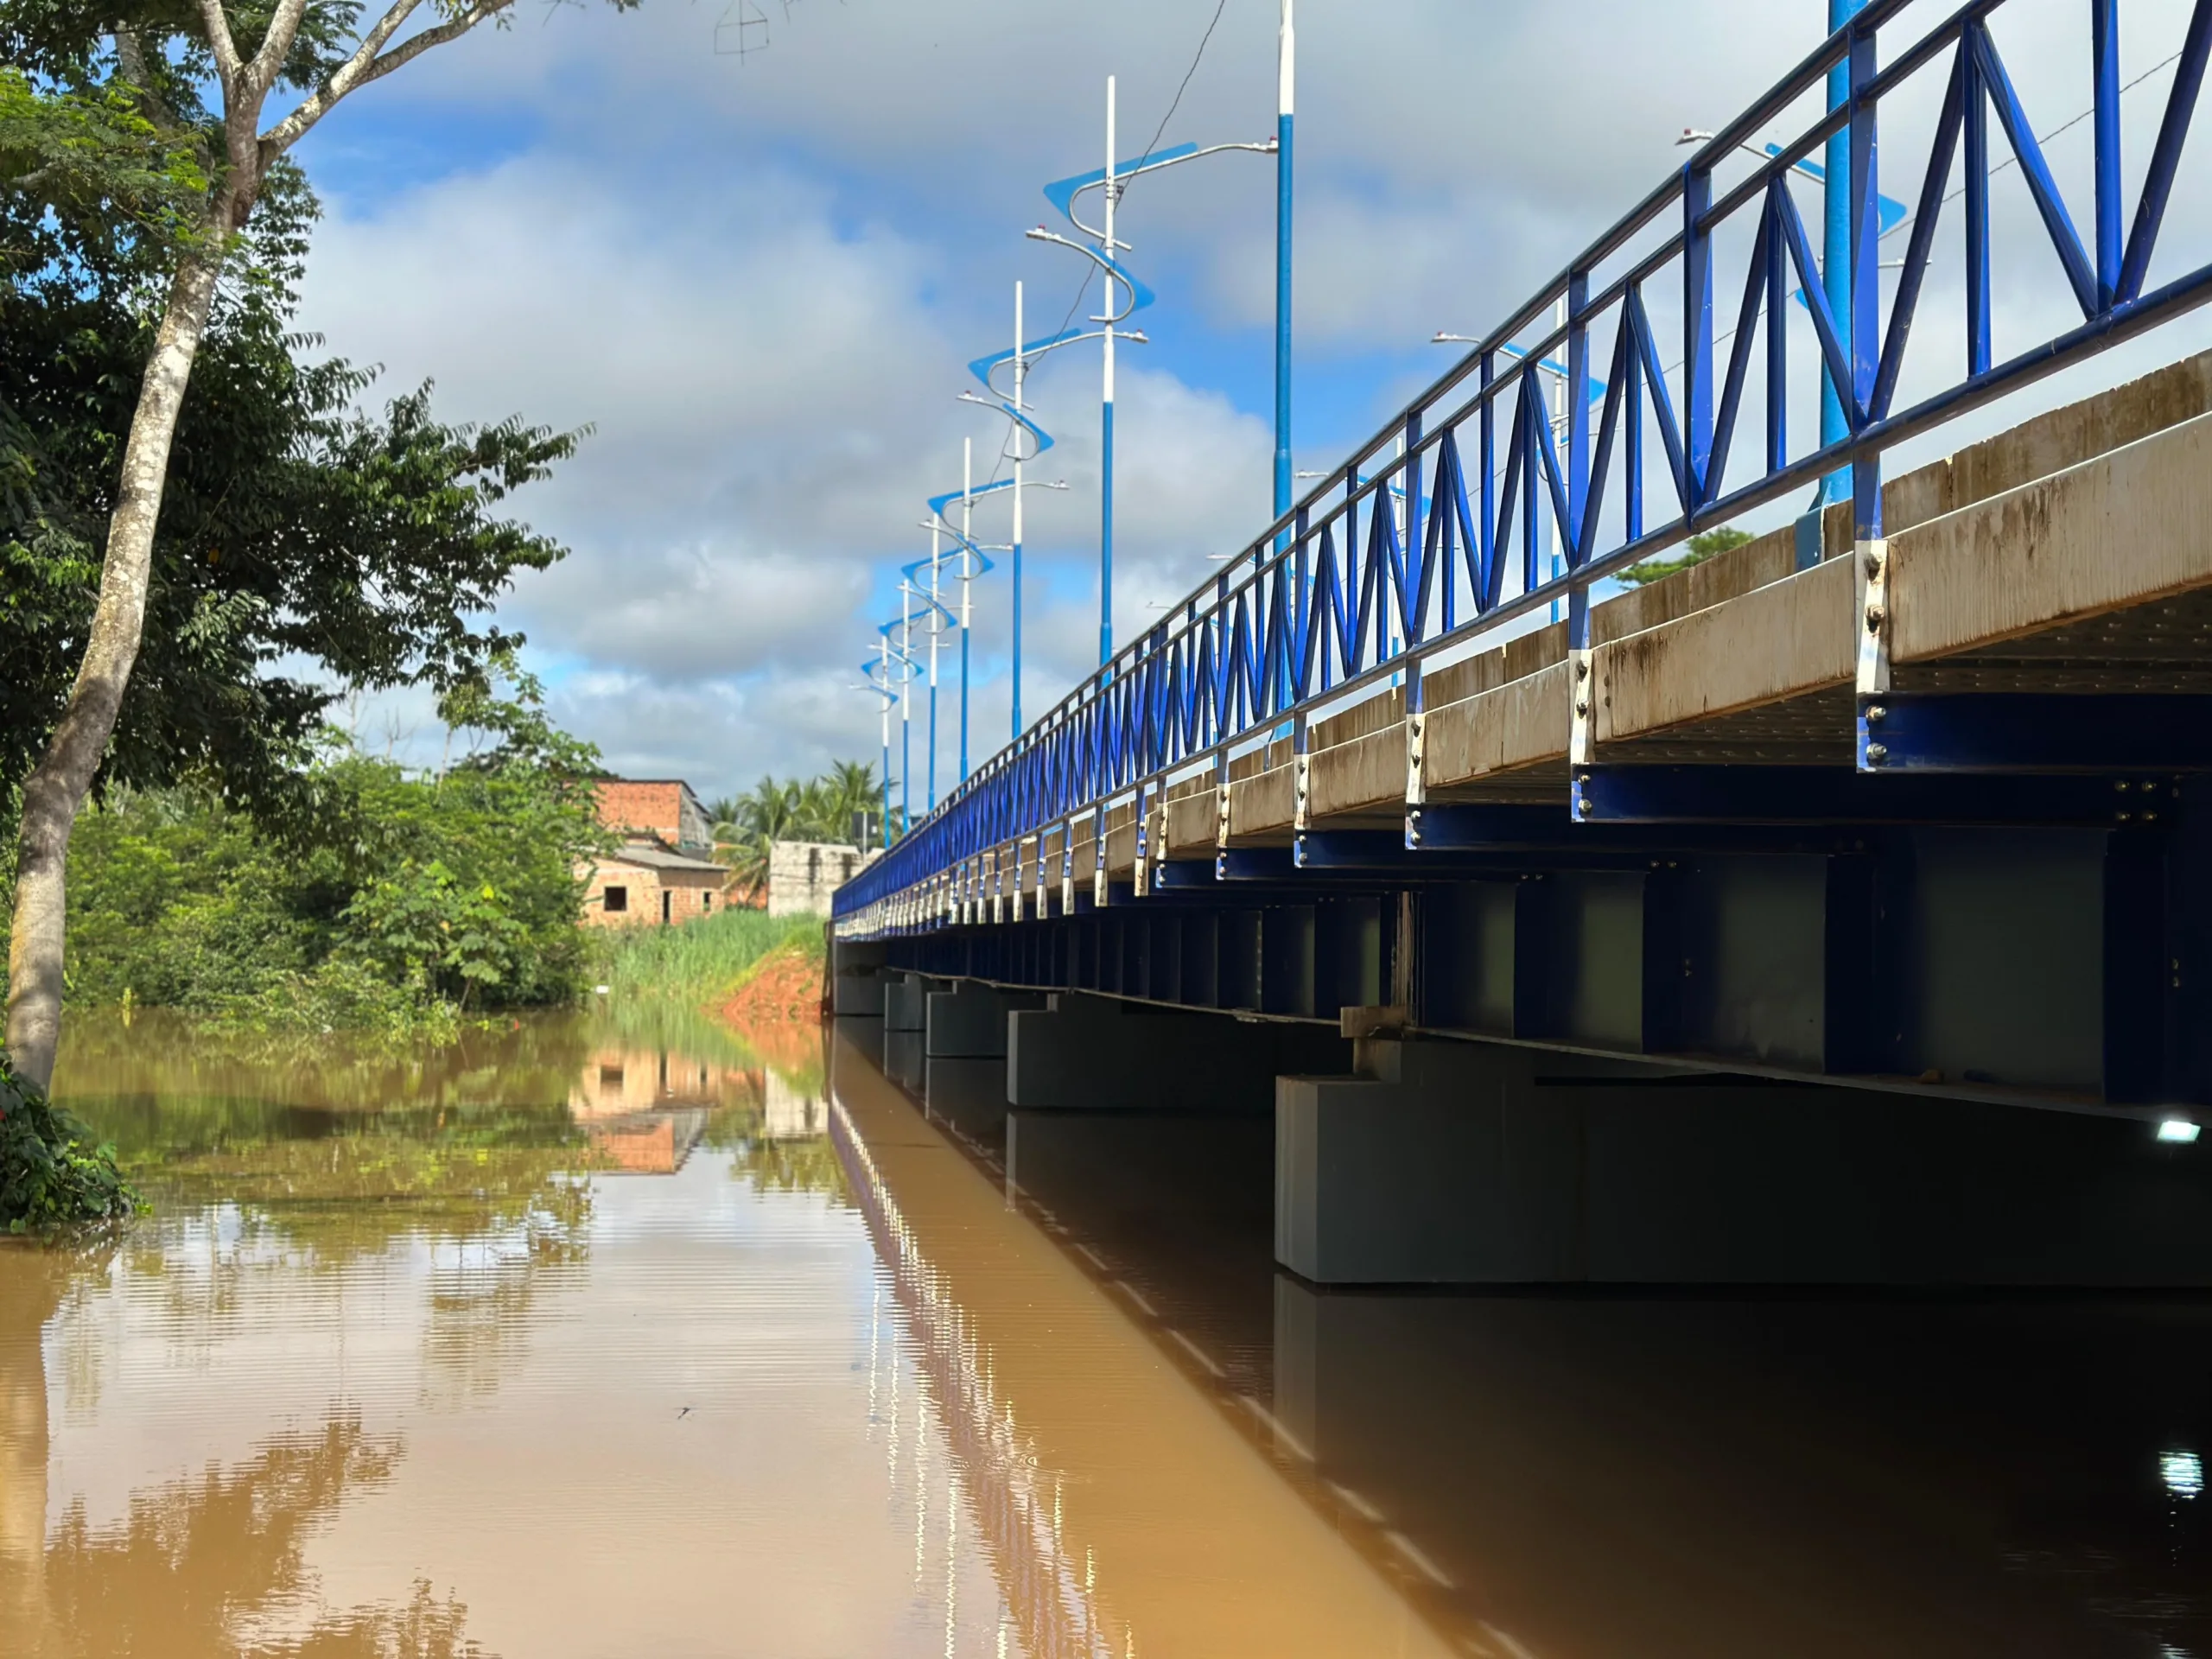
(1097, 1053)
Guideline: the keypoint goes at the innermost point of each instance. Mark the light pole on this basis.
(1023, 432)
(1106, 410)
(1021, 373)
(1114, 179)
(968, 539)
(936, 617)
(1285, 79)
(879, 679)
(1835, 251)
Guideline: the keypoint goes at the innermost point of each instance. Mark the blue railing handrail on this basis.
(1243, 652)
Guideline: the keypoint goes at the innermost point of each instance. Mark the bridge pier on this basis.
(1095, 1053)
(857, 976)
(968, 1019)
(1447, 1163)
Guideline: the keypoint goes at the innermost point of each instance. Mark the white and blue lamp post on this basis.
(1027, 440)
(1286, 85)
(1112, 179)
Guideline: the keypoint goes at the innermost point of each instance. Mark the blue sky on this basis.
(759, 282)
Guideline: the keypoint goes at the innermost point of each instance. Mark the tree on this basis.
(1700, 548)
(159, 57)
(850, 788)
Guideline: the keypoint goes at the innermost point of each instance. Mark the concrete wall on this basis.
(803, 875)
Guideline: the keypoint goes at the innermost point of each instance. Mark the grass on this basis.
(700, 962)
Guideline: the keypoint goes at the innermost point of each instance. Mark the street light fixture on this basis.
(1064, 193)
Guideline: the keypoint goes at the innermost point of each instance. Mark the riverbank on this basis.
(705, 962)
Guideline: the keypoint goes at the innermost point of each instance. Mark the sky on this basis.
(757, 279)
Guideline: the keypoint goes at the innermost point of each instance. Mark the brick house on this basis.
(660, 875)
(664, 809)
(644, 884)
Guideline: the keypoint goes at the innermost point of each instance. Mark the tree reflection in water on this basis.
(309, 1182)
(207, 1565)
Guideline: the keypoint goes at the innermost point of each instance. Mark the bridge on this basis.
(1836, 909)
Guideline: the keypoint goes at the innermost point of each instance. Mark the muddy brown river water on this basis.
(633, 1336)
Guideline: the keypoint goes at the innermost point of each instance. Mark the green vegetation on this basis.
(51, 1175)
(296, 527)
(388, 901)
(701, 962)
(1699, 548)
(819, 809)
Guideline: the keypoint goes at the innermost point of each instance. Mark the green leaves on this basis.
(92, 153)
(373, 897)
(299, 525)
(1697, 550)
(821, 809)
(50, 1173)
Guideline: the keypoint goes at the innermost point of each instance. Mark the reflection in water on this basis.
(1126, 1513)
(407, 1364)
(423, 1378)
(1677, 1474)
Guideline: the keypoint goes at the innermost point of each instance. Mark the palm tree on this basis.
(821, 809)
(852, 788)
(773, 811)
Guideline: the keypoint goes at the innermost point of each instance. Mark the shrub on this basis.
(50, 1175)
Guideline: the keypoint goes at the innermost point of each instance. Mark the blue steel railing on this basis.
(1318, 606)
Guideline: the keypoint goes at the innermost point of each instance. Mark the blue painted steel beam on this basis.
(1254, 864)
(1999, 731)
(1478, 827)
(1834, 795)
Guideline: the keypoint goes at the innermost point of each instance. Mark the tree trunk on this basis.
(58, 785)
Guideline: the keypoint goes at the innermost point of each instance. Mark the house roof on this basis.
(652, 856)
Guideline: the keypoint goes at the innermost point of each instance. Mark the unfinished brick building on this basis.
(660, 875)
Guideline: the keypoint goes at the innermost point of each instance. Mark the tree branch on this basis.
(227, 66)
(283, 28)
(131, 59)
(365, 65)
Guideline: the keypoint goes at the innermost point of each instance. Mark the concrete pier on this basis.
(857, 976)
(968, 1019)
(905, 1005)
(1449, 1163)
(1097, 1053)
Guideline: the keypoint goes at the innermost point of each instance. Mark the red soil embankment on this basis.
(783, 992)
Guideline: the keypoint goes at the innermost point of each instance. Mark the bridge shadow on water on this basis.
(1689, 1472)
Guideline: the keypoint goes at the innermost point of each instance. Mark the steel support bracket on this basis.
(1350, 849)
(1067, 867)
(1481, 826)
(1870, 564)
(1581, 742)
(1098, 859)
(1141, 872)
(1254, 864)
